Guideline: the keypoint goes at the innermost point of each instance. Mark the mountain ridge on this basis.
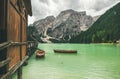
(67, 24)
(105, 29)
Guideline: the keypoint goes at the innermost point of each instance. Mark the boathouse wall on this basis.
(13, 33)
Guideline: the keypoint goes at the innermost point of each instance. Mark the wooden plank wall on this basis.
(14, 36)
(16, 31)
(13, 26)
(24, 37)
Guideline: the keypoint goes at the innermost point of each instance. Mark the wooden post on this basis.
(20, 68)
(20, 73)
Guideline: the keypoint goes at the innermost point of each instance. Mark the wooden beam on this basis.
(19, 73)
(18, 11)
(3, 63)
(13, 69)
(4, 45)
(7, 44)
(18, 43)
(20, 68)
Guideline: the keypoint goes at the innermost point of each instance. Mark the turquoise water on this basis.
(93, 61)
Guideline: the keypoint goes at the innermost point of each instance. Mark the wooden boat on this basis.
(40, 53)
(65, 51)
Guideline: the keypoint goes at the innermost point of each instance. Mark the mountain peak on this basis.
(68, 11)
(67, 24)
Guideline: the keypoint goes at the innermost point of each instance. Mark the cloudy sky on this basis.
(43, 8)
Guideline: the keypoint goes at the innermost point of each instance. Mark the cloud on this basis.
(43, 8)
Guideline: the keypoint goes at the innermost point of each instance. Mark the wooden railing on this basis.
(4, 62)
(4, 45)
(15, 68)
(7, 44)
(31, 47)
(29, 44)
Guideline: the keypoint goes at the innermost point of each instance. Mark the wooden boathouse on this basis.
(13, 36)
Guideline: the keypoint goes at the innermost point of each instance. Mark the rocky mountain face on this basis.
(67, 24)
(43, 24)
(70, 23)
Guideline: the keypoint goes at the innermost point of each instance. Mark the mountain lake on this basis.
(92, 61)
